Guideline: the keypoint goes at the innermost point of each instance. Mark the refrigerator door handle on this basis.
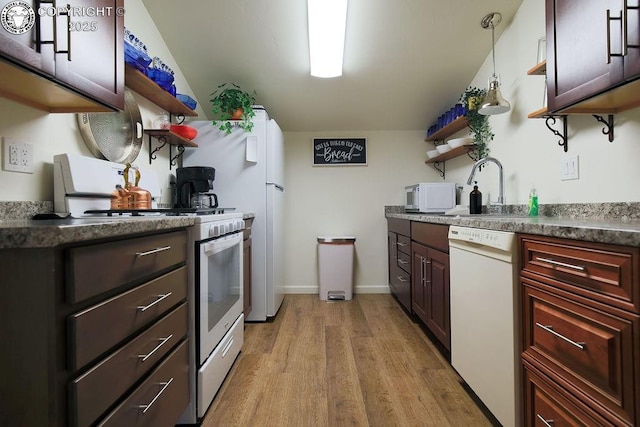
(277, 186)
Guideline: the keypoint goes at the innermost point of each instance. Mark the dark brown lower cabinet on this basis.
(431, 290)
(430, 278)
(581, 332)
(95, 333)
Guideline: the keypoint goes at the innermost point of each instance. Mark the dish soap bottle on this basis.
(533, 202)
(475, 200)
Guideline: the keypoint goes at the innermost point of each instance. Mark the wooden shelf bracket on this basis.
(608, 125)
(564, 138)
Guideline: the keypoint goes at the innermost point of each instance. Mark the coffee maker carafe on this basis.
(193, 187)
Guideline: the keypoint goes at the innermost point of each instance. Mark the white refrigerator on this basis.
(250, 178)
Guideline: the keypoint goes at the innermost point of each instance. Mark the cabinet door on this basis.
(437, 296)
(577, 38)
(92, 57)
(419, 257)
(632, 60)
(25, 48)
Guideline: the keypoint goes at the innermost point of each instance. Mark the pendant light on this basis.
(493, 103)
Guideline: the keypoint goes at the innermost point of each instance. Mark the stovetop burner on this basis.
(161, 211)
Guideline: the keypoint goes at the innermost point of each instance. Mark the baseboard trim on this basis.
(384, 289)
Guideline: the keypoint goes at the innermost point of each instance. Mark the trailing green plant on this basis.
(225, 101)
(478, 123)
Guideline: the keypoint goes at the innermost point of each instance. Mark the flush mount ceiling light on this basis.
(493, 103)
(327, 26)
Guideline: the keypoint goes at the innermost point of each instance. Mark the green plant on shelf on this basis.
(478, 123)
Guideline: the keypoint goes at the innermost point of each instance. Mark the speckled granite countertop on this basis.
(623, 229)
(26, 233)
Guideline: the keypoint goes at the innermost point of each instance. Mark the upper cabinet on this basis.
(593, 56)
(70, 60)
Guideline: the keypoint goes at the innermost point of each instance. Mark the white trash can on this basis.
(335, 265)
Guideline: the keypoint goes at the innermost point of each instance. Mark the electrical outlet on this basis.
(569, 168)
(17, 156)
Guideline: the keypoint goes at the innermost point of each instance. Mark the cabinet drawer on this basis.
(161, 399)
(98, 268)
(404, 245)
(606, 273)
(400, 283)
(119, 317)
(592, 350)
(433, 235)
(544, 401)
(400, 226)
(404, 262)
(95, 391)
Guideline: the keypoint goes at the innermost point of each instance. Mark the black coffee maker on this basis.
(193, 185)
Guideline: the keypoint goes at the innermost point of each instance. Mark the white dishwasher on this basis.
(484, 321)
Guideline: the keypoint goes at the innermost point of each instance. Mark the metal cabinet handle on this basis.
(153, 251)
(146, 407)
(624, 23)
(561, 264)
(143, 308)
(548, 423)
(401, 261)
(402, 279)
(549, 329)
(163, 341)
(401, 244)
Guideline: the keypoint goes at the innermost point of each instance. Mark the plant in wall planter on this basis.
(232, 103)
(478, 123)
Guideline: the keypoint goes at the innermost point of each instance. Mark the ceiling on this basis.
(405, 61)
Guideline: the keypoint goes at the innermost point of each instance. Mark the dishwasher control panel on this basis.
(497, 239)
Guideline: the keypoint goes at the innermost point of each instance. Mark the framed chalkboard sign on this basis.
(339, 151)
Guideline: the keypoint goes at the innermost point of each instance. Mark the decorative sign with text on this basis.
(339, 151)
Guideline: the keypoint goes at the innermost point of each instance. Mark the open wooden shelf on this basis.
(170, 137)
(539, 70)
(146, 87)
(454, 152)
(540, 113)
(453, 127)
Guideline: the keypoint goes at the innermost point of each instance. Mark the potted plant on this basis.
(232, 103)
(478, 123)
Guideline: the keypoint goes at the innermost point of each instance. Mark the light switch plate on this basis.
(17, 156)
(569, 168)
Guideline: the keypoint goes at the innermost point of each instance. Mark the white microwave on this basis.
(430, 197)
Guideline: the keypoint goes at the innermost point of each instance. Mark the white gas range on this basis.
(82, 189)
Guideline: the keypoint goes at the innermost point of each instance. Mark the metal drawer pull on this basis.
(160, 298)
(163, 341)
(401, 244)
(562, 264)
(549, 329)
(153, 251)
(402, 279)
(401, 261)
(146, 407)
(548, 423)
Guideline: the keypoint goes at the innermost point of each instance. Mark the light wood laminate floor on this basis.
(362, 362)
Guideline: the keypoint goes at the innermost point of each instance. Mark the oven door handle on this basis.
(220, 245)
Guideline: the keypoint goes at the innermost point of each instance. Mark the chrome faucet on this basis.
(480, 163)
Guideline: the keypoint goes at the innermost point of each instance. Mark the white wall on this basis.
(53, 134)
(350, 200)
(347, 200)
